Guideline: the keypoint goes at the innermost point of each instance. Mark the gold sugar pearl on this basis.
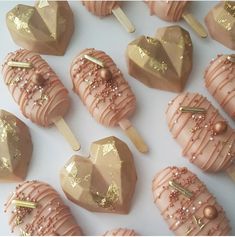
(231, 58)
(220, 127)
(210, 212)
(38, 79)
(105, 74)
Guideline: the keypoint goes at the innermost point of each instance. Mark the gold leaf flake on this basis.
(4, 163)
(109, 147)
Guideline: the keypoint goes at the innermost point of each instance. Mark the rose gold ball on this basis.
(38, 79)
(220, 127)
(106, 74)
(210, 212)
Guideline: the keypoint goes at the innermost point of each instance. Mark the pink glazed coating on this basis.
(108, 101)
(181, 212)
(50, 217)
(194, 132)
(40, 103)
(100, 8)
(220, 82)
(167, 10)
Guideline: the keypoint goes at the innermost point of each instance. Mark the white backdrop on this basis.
(51, 151)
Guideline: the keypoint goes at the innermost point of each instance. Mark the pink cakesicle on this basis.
(105, 8)
(174, 11)
(120, 232)
(36, 209)
(104, 91)
(38, 91)
(206, 138)
(186, 204)
(220, 82)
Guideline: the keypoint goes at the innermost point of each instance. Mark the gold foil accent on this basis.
(22, 18)
(4, 163)
(195, 110)
(109, 147)
(43, 98)
(23, 233)
(94, 60)
(43, 3)
(19, 64)
(23, 203)
(143, 52)
(181, 189)
(5, 129)
(230, 8)
(109, 199)
(225, 19)
(189, 230)
(18, 220)
(13, 81)
(199, 222)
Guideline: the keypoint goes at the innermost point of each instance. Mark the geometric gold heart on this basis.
(104, 182)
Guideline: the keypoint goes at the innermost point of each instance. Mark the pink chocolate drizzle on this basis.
(194, 132)
(40, 103)
(180, 211)
(100, 8)
(108, 101)
(220, 82)
(50, 217)
(167, 10)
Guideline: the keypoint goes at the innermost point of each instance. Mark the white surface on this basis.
(51, 151)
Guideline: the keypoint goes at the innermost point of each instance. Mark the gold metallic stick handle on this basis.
(195, 24)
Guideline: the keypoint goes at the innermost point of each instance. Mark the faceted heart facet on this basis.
(103, 183)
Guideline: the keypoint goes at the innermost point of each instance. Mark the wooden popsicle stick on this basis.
(67, 133)
(123, 19)
(231, 172)
(195, 24)
(134, 136)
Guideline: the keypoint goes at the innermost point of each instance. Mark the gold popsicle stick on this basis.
(195, 24)
(187, 109)
(94, 60)
(22, 203)
(134, 136)
(19, 64)
(67, 133)
(123, 19)
(181, 189)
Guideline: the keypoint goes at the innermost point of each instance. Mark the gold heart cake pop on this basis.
(104, 182)
(46, 28)
(220, 22)
(164, 62)
(15, 148)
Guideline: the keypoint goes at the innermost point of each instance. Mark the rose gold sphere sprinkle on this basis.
(210, 212)
(106, 74)
(38, 79)
(220, 127)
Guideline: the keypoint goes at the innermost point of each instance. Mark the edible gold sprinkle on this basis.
(108, 200)
(19, 64)
(181, 189)
(225, 20)
(23, 233)
(143, 52)
(189, 230)
(230, 8)
(22, 203)
(94, 60)
(18, 220)
(151, 40)
(194, 110)
(199, 222)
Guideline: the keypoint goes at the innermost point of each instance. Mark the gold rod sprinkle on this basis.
(94, 60)
(181, 189)
(19, 64)
(185, 109)
(22, 203)
(231, 58)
